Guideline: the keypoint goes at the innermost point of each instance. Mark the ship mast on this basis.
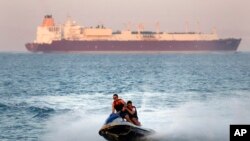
(157, 29)
(198, 30)
(140, 28)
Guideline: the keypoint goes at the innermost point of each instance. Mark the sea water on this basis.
(67, 97)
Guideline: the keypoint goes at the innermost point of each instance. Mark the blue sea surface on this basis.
(67, 97)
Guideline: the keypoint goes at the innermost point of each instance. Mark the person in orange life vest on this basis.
(132, 112)
(118, 106)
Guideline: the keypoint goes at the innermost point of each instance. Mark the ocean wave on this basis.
(11, 106)
(3, 107)
(7, 83)
(41, 112)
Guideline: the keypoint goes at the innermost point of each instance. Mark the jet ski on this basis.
(117, 129)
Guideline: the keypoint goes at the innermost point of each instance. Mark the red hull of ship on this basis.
(134, 46)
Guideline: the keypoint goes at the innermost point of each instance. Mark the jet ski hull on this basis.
(124, 133)
(117, 129)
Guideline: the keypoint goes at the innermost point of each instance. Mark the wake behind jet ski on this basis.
(117, 129)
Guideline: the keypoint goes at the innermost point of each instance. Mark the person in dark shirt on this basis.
(132, 113)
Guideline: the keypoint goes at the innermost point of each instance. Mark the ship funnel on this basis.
(48, 21)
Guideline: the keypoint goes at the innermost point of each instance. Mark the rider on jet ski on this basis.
(120, 107)
(116, 128)
(132, 112)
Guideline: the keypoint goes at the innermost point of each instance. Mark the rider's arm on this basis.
(131, 111)
(125, 105)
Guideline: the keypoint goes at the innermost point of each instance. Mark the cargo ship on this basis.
(71, 37)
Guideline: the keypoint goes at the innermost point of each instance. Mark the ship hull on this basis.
(135, 46)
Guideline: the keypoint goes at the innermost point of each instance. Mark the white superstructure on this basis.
(70, 30)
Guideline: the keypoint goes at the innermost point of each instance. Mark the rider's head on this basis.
(115, 96)
(129, 103)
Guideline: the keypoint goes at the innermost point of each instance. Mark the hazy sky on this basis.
(19, 18)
